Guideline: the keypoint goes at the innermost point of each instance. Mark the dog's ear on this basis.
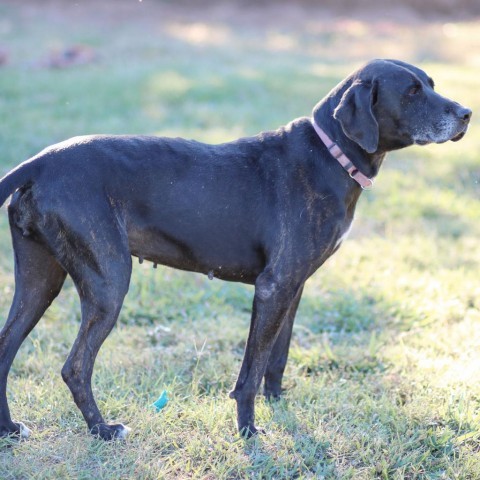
(354, 112)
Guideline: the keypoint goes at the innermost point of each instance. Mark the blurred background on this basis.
(384, 366)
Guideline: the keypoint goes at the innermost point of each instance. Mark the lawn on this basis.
(384, 368)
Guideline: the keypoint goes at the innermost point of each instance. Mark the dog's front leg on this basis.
(273, 297)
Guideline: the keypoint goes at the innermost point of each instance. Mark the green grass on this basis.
(383, 376)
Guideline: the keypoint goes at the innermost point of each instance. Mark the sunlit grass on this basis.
(384, 366)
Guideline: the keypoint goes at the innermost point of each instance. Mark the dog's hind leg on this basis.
(38, 280)
(279, 355)
(102, 285)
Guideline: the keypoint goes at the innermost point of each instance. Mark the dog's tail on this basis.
(26, 172)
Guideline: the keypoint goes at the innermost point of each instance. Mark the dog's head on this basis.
(390, 105)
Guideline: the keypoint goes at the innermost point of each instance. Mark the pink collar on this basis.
(365, 182)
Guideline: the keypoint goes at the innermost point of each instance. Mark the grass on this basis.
(384, 365)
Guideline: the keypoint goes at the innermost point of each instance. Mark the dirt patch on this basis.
(425, 8)
(374, 9)
(267, 13)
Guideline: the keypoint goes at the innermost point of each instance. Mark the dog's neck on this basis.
(367, 163)
(342, 159)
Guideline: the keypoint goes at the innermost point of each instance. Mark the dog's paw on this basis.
(274, 395)
(17, 429)
(250, 431)
(110, 432)
(23, 430)
(123, 432)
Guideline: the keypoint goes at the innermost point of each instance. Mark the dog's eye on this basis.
(414, 89)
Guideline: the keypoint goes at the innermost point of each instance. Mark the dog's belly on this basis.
(222, 258)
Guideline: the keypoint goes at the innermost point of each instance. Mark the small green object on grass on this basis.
(161, 402)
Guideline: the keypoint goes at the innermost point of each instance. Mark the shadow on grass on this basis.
(340, 390)
(307, 454)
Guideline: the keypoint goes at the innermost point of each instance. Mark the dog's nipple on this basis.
(210, 275)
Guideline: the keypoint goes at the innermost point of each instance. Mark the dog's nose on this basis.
(465, 114)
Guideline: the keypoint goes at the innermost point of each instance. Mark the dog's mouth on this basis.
(455, 138)
(459, 136)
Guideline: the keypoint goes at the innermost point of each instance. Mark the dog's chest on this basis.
(344, 234)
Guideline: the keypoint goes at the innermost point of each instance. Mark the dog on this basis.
(266, 210)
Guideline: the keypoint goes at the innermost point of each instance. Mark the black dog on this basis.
(266, 210)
